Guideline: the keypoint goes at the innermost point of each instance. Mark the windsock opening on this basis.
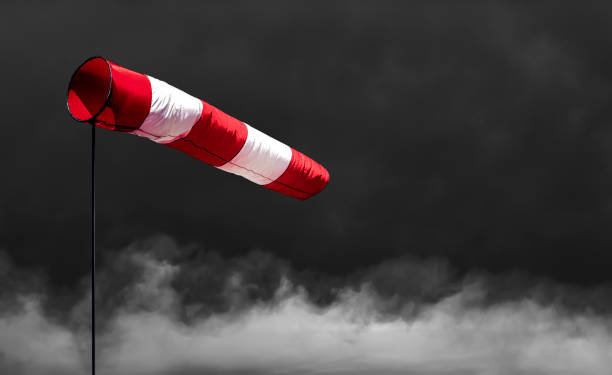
(89, 89)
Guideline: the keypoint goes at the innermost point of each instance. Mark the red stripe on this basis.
(303, 178)
(130, 100)
(215, 139)
(89, 88)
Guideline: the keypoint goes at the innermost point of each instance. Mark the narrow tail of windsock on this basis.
(113, 97)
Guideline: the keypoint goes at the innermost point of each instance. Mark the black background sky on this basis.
(478, 132)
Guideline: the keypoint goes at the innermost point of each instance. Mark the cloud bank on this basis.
(170, 309)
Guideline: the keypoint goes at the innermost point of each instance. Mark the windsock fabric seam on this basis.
(268, 155)
(250, 170)
(173, 109)
(170, 109)
(218, 156)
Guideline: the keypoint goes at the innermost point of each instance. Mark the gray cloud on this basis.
(174, 309)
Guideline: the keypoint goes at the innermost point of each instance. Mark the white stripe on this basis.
(173, 113)
(262, 158)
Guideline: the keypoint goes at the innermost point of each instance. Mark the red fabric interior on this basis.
(89, 89)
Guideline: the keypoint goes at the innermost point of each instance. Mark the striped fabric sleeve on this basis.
(150, 108)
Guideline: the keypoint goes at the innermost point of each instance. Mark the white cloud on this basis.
(290, 335)
(31, 343)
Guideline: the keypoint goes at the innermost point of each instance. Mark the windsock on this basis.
(113, 97)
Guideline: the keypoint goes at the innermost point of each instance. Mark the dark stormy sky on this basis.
(465, 141)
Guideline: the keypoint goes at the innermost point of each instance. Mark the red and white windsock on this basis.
(113, 97)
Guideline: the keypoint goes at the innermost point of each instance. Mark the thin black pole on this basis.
(93, 248)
